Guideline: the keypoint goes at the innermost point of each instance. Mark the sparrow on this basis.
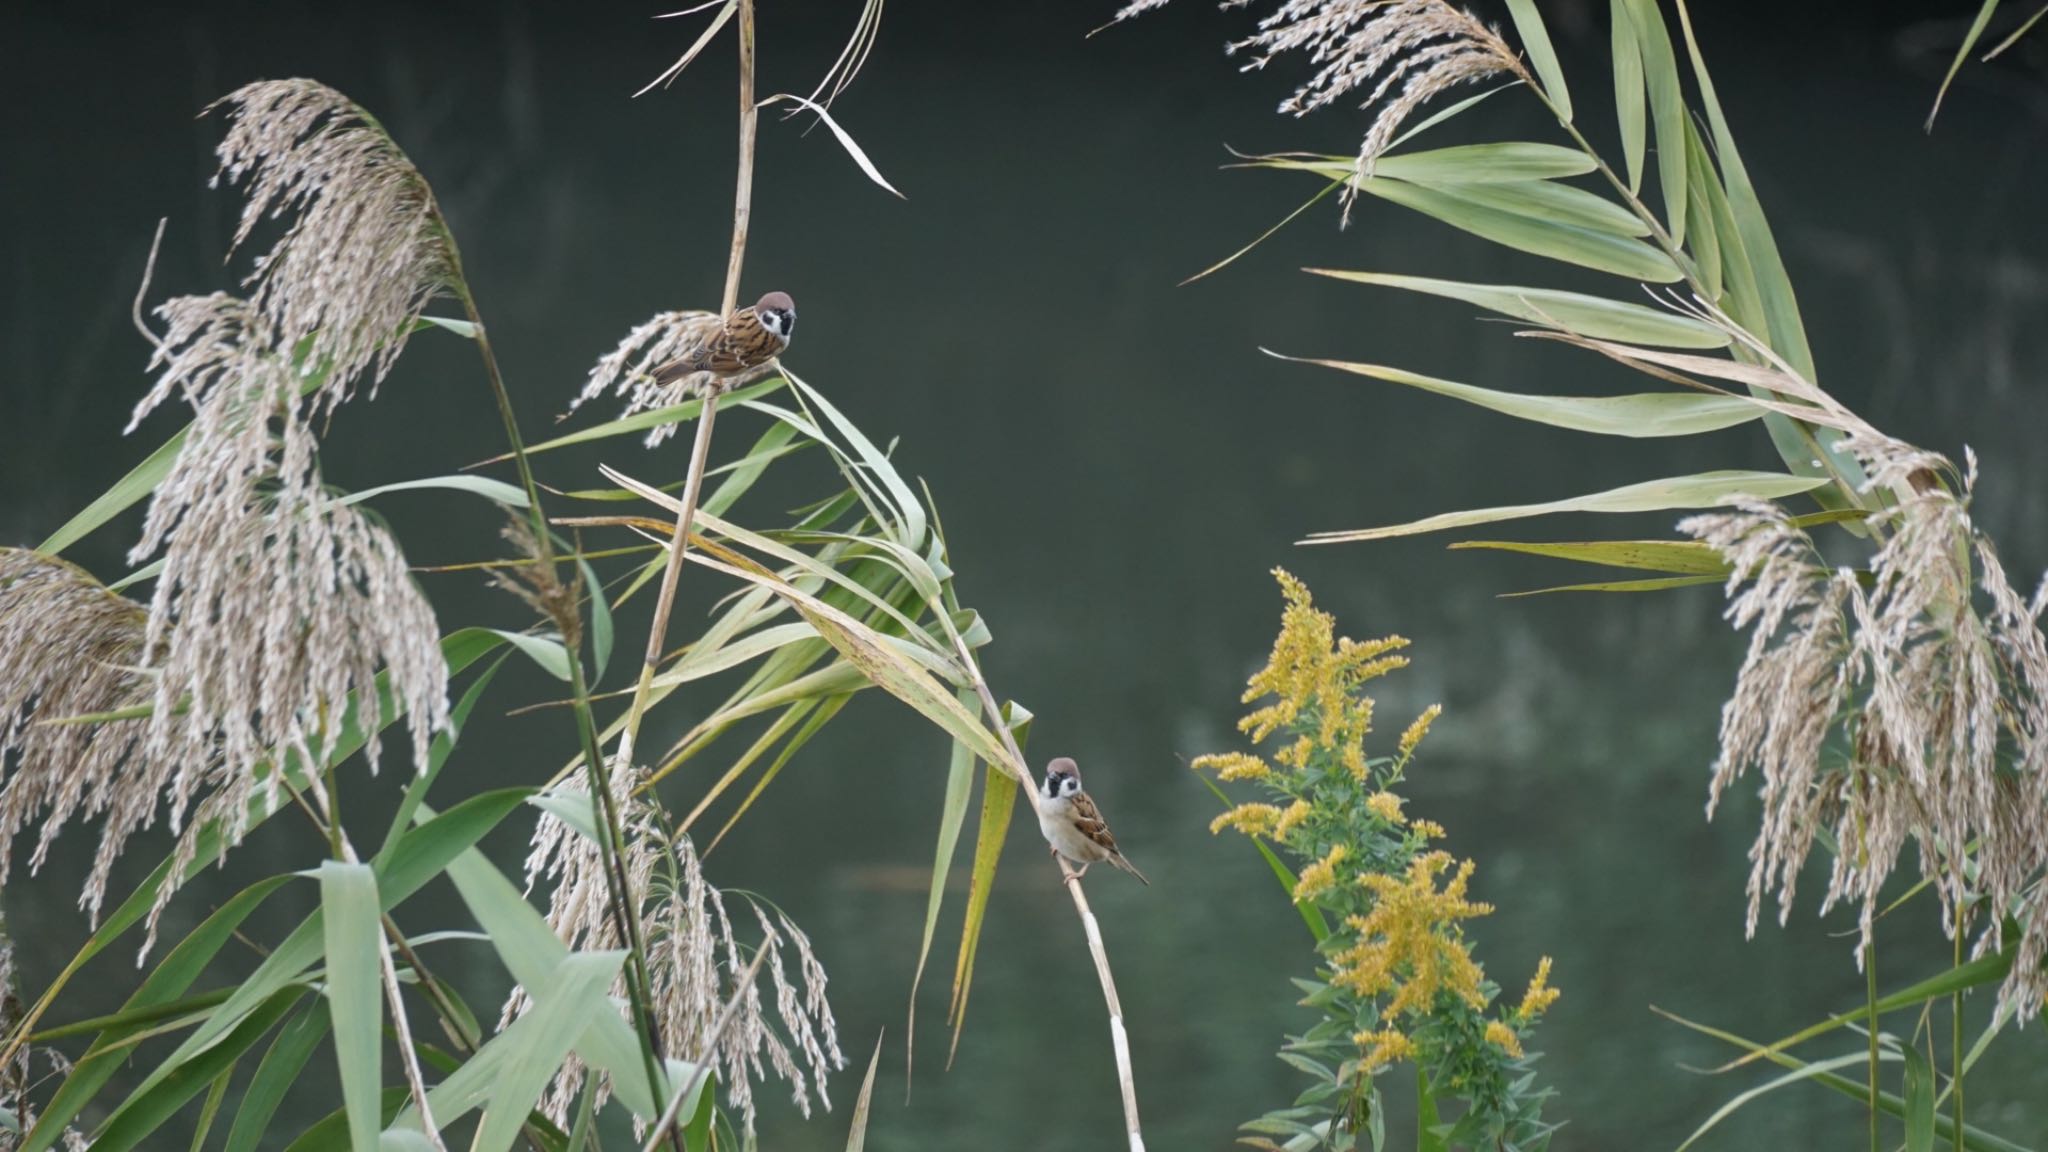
(1073, 825)
(746, 340)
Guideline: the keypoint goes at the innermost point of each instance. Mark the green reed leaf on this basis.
(535, 1046)
(1984, 12)
(1536, 41)
(952, 815)
(276, 1074)
(1602, 251)
(1491, 163)
(1702, 490)
(1667, 110)
(1681, 557)
(999, 796)
(354, 945)
(1592, 316)
(1640, 415)
(1628, 89)
(857, 1130)
(1658, 584)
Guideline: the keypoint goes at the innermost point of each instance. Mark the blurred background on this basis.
(1118, 468)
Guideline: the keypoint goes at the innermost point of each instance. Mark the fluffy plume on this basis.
(693, 958)
(1913, 707)
(69, 647)
(278, 603)
(365, 250)
(628, 370)
(1398, 53)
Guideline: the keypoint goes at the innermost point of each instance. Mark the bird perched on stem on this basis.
(744, 341)
(1073, 825)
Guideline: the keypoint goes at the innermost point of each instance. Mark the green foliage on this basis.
(1705, 231)
(1395, 980)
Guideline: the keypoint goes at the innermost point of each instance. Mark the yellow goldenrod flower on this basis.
(1320, 876)
(1250, 819)
(1418, 730)
(1540, 995)
(1382, 1048)
(1291, 819)
(1296, 755)
(1234, 766)
(1410, 942)
(1504, 1036)
(1311, 669)
(1428, 829)
(1386, 806)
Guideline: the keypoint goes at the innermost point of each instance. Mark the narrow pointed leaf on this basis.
(1643, 414)
(510, 495)
(437, 756)
(1984, 12)
(354, 942)
(209, 1111)
(1639, 415)
(1702, 187)
(1536, 41)
(1659, 584)
(1603, 251)
(138, 1119)
(1628, 90)
(1975, 973)
(164, 985)
(1681, 557)
(998, 802)
(531, 950)
(1974, 1138)
(1482, 163)
(857, 1131)
(1591, 316)
(275, 1075)
(537, 1043)
(1447, 112)
(642, 421)
(1702, 490)
(546, 651)
(1735, 1103)
(1667, 110)
(600, 621)
(952, 814)
(846, 140)
(1780, 306)
(1919, 1102)
(127, 492)
(1550, 202)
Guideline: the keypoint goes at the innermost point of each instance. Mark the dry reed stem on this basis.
(700, 447)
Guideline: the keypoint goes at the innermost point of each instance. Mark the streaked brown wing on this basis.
(1088, 819)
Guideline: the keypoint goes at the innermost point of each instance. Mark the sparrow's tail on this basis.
(1119, 861)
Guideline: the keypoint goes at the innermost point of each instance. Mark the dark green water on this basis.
(1118, 468)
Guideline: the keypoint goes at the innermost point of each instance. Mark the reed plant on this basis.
(1898, 699)
(284, 632)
